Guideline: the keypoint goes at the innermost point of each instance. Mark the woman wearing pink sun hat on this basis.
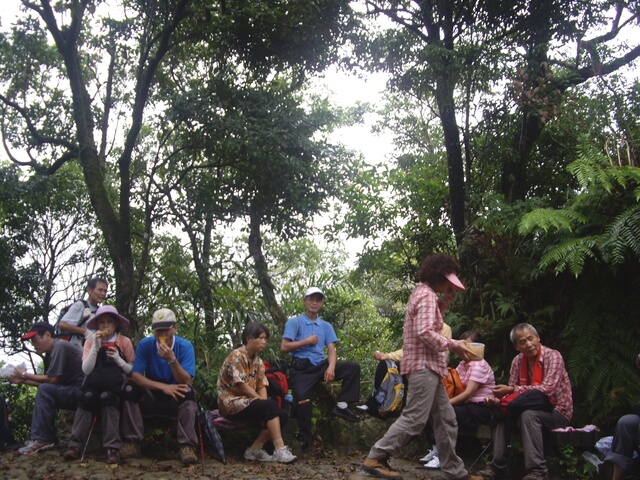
(424, 362)
(106, 361)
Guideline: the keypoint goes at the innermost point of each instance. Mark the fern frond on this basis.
(622, 235)
(546, 219)
(571, 254)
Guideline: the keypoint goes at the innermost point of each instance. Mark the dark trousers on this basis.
(303, 383)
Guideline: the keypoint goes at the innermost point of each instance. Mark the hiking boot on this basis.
(284, 455)
(433, 464)
(112, 456)
(493, 473)
(35, 446)
(131, 450)
(346, 414)
(380, 468)
(258, 455)
(188, 455)
(72, 453)
(536, 476)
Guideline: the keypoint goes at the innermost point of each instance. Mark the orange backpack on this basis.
(452, 383)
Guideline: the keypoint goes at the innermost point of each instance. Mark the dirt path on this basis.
(164, 465)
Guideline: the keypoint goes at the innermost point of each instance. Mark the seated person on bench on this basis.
(242, 395)
(540, 368)
(305, 337)
(626, 440)
(162, 378)
(471, 411)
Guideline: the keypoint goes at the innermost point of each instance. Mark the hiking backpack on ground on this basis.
(387, 397)
(85, 316)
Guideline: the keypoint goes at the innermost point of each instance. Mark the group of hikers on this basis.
(100, 374)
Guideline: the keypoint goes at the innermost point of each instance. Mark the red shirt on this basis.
(555, 380)
(424, 346)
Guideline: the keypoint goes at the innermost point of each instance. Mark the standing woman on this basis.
(242, 395)
(424, 362)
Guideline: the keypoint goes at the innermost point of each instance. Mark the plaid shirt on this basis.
(424, 346)
(555, 380)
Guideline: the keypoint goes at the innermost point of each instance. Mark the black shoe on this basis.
(346, 414)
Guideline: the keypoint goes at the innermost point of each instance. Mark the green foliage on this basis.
(20, 400)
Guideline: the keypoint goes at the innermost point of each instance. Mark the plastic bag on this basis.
(8, 369)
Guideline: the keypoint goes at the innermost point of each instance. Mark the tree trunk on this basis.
(262, 270)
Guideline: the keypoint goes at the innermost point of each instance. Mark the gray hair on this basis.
(519, 327)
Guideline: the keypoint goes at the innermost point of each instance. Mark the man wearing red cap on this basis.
(424, 362)
(58, 388)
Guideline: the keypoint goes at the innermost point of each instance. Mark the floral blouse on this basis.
(238, 368)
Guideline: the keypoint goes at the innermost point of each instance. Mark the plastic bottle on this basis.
(289, 396)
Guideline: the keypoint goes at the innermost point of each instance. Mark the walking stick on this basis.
(481, 454)
(88, 437)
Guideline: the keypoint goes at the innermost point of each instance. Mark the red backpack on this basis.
(278, 383)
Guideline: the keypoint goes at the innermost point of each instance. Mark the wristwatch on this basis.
(173, 361)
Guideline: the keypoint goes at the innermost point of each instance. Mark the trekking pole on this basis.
(481, 454)
(88, 437)
(201, 446)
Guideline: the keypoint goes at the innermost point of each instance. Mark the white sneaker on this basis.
(34, 446)
(284, 455)
(434, 464)
(429, 456)
(258, 455)
(362, 408)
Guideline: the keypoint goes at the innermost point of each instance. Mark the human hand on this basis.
(329, 375)
(16, 376)
(492, 401)
(500, 391)
(113, 353)
(177, 391)
(380, 356)
(312, 339)
(165, 352)
(461, 349)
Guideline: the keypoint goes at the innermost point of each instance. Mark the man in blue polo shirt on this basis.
(305, 338)
(162, 377)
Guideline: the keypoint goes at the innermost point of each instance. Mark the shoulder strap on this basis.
(84, 319)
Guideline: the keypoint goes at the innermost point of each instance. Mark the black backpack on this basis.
(61, 333)
(106, 375)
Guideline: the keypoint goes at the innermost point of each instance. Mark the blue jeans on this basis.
(49, 398)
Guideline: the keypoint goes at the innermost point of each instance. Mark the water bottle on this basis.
(289, 396)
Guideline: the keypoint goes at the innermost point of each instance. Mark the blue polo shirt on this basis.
(154, 367)
(300, 327)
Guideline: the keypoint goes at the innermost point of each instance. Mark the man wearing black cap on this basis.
(58, 388)
(162, 378)
(305, 338)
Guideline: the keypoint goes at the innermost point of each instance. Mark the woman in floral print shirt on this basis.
(242, 395)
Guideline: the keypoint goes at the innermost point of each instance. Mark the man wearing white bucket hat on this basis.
(106, 361)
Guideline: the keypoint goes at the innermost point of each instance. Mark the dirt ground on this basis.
(163, 464)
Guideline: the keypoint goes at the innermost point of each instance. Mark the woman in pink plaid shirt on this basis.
(424, 362)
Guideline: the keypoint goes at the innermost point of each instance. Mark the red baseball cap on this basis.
(38, 328)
